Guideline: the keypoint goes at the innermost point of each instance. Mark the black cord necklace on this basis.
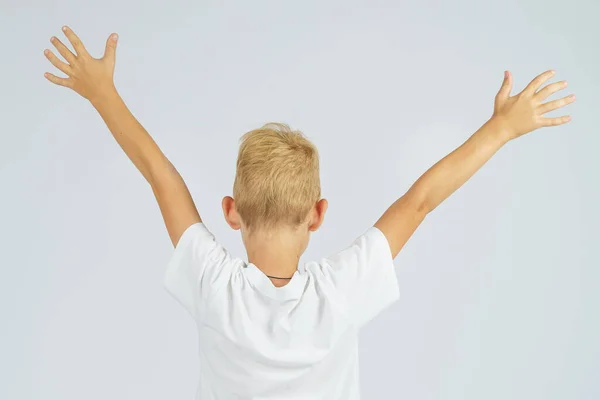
(274, 277)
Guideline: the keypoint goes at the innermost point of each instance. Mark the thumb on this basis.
(111, 48)
(504, 92)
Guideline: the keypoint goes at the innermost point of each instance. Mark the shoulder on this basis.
(369, 245)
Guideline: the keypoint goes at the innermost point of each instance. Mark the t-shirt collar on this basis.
(292, 290)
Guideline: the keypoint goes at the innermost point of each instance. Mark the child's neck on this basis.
(276, 254)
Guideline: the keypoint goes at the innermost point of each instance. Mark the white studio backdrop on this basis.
(500, 287)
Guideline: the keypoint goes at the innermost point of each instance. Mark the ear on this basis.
(231, 215)
(317, 215)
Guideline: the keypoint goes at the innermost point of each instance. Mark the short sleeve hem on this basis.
(382, 278)
(184, 242)
(183, 271)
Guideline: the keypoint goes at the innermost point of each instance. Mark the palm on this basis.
(87, 76)
(525, 111)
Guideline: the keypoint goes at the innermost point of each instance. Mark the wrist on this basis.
(107, 94)
(501, 129)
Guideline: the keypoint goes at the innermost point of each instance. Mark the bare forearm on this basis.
(513, 116)
(93, 79)
(135, 141)
(173, 197)
(451, 172)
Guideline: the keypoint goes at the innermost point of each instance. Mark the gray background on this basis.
(499, 287)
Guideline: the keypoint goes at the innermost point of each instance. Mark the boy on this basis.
(269, 328)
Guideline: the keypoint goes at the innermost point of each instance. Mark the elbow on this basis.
(419, 202)
(422, 210)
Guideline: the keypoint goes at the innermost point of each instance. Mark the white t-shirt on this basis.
(298, 341)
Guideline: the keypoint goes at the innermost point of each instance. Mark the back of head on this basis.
(277, 178)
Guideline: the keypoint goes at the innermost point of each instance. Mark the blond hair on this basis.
(277, 177)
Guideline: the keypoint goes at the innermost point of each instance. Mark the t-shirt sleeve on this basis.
(365, 276)
(198, 268)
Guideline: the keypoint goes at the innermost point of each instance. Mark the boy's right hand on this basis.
(522, 113)
(90, 77)
(93, 79)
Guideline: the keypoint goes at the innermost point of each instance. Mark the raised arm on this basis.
(93, 79)
(513, 117)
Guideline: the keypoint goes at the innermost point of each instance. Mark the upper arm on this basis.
(364, 275)
(198, 269)
(400, 221)
(174, 199)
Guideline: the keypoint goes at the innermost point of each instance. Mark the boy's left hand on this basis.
(90, 77)
(524, 112)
